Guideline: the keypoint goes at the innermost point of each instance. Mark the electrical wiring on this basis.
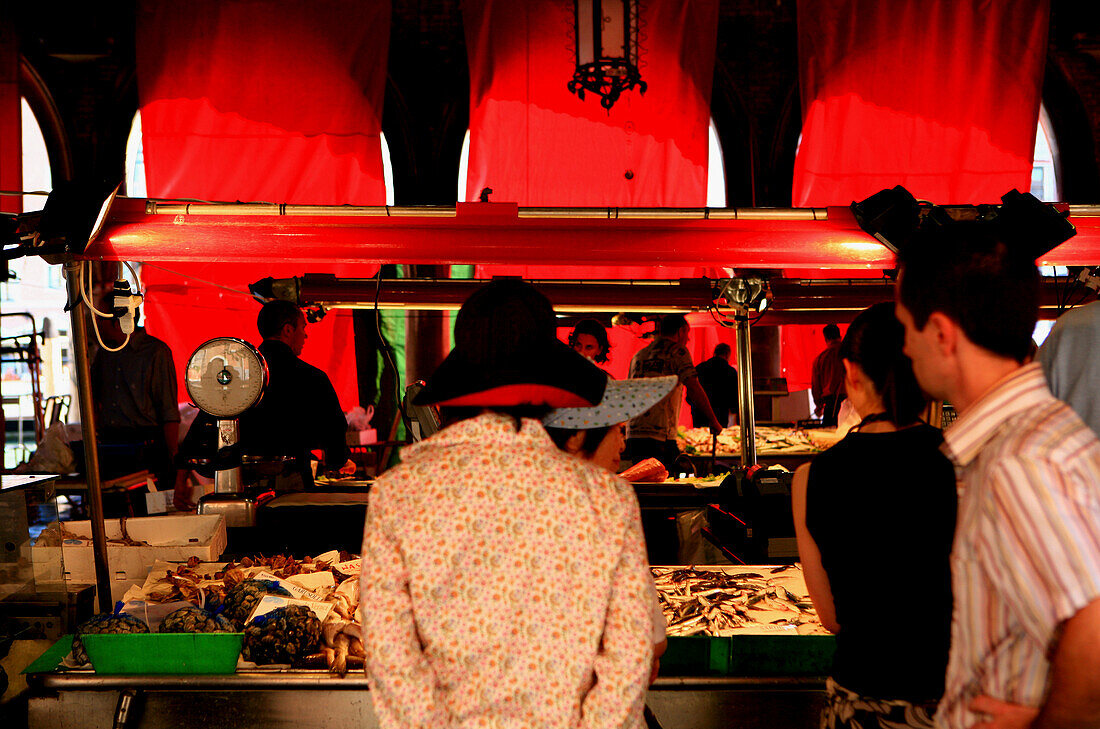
(719, 318)
(86, 274)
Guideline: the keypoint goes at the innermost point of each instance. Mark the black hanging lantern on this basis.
(606, 43)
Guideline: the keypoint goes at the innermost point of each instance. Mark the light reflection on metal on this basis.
(606, 44)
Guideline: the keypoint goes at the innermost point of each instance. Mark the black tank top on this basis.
(881, 507)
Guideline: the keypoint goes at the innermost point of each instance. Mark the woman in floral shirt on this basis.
(505, 582)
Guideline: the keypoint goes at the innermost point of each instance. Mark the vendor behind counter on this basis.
(299, 412)
(135, 395)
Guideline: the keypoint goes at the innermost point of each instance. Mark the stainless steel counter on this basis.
(295, 699)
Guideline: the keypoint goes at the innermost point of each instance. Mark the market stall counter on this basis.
(744, 645)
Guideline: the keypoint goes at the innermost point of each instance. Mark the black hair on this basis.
(595, 329)
(875, 341)
(967, 272)
(671, 324)
(722, 350)
(275, 315)
(831, 332)
(592, 437)
(449, 414)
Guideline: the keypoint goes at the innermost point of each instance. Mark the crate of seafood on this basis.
(164, 653)
(133, 546)
(741, 621)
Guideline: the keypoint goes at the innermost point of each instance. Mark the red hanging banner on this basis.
(258, 101)
(940, 97)
(535, 142)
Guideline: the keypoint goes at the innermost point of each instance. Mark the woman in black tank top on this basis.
(875, 517)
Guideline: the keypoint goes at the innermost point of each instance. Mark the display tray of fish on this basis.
(722, 601)
(770, 440)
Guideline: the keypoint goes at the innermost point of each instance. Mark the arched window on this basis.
(716, 169)
(37, 289)
(135, 163)
(37, 176)
(1045, 179)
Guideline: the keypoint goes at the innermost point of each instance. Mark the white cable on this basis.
(137, 281)
(119, 348)
(85, 265)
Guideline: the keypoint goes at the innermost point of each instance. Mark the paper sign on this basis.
(270, 602)
(318, 582)
(296, 590)
(350, 568)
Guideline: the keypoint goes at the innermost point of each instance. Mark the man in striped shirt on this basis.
(1025, 637)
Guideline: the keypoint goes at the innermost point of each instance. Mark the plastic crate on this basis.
(749, 655)
(164, 653)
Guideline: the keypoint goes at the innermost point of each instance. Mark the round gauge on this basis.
(226, 376)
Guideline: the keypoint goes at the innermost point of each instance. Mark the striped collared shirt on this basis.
(1027, 546)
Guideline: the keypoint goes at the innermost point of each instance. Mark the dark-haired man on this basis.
(136, 403)
(827, 378)
(1025, 638)
(653, 433)
(719, 380)
(300, 411)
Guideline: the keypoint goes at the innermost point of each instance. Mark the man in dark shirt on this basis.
(299, 411)
(827, 378)
(136, 403)
(719, 380)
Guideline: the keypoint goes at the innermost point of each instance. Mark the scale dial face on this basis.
(226, 376)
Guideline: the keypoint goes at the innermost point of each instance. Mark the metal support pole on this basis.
(87, 426)
(745, 408)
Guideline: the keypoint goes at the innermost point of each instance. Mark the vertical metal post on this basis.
(745, 408)
(87, 427)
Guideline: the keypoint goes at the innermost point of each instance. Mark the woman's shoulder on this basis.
(914, 446)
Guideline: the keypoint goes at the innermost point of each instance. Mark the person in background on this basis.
(136, 403)
(653, 433)
(504, 581)
(880, 502)
(589, 339)
(1070, 361)
(719, 380)
(1025, 635)
(300, 411)
(827, 378)
(595, 434)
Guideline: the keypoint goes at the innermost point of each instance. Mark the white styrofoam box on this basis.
(171, 539)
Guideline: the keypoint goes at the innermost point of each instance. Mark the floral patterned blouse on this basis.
(505, 584)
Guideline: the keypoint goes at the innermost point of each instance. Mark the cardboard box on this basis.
(171, 539)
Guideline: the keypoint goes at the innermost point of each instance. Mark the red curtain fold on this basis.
(259, 101)
(11, 125)
(536, 143)
(941, 97)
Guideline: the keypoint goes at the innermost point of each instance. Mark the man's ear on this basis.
(946, 333)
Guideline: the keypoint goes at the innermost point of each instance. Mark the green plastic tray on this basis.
(164, 653)
(749, 655)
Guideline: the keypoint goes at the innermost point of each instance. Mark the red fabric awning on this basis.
(257, 101)
(913, 93)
